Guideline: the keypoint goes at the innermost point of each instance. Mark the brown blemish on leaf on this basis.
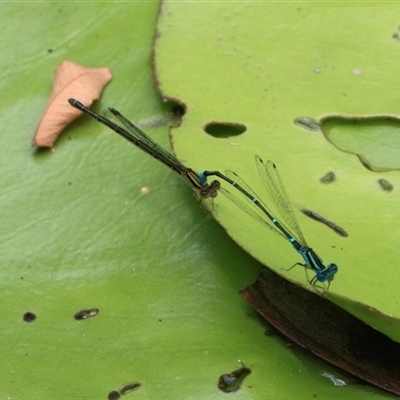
(70, 80)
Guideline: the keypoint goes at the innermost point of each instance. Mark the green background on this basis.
(76, 233)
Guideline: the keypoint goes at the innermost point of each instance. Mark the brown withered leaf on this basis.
(327, 330)
(70, 80)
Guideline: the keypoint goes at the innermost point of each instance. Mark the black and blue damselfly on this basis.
(114, 120)
(273, 183)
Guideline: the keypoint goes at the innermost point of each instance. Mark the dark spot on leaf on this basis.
(129, 387)
(316, 217)
(385, 185)
(328, 178)
(29, 317)
(114, 395)
(269, 331)
(308, 123)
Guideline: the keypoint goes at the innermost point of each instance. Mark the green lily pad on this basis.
(264, 66)
(77, 234)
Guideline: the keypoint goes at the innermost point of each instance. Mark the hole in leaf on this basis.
(29, 317)
(232, 382)
(114, 395)
(178, 110)
(375, 140)
(84, 314)
(224, 129)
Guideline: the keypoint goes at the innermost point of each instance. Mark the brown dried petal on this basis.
(70, 80)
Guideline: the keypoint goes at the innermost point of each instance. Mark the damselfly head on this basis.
(327, 274)
(210, 190)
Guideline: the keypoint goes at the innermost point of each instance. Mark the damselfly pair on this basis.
(199, 182)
